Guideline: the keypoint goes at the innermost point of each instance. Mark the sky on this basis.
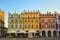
(21, 5)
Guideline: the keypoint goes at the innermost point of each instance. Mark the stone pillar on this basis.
(46, 34)
(30, 35)
(40, 33)
(51, 33)
(57, 33)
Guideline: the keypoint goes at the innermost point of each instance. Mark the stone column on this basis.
(40, 33)
(57, 33)
(51, 33)
(46, 33)
(30, 35)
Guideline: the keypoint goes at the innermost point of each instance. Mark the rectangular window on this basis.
(16, 20)
(20, 20)
(32, 20)
(11, 16)
(11, 20)
(36, 25)
(43, 26)
(53, 26)
(20, 26)
(48, 20)
(53, 20)
(28, 17)
(16, 26)
(25, 20)
(28, 20)
(33, 17)
(43, 20)
(59, 26)
(48, 25)
(25, 26)
(12, 26)
(28, 25)
(32, 25)
(59, 20)
(36, 20)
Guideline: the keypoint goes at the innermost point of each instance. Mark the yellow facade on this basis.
(31, 18)
(2, 15)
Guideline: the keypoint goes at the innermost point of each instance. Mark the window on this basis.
(16, 26)
(32, 25)
(53, 20)
(28, 20)
(42, 20)
(34, 17)
(19, 16)
(36, 25)
(25, 20)
(11, 16)
(59, 20)
(25, 26)
(12, 26)
(48, 20)
(28, 25)
(20, 26)
(16, 20)
(11, 20)
(48, 25)
(53, 26)
(36, 20)
(32, 20)
(20, 20)
(59, 26)
(28, 17)
(43, 25)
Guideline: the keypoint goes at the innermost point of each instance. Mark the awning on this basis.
(11, 32)
(32, 31)
(21, 31)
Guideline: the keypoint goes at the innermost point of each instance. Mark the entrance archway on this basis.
(54, 33)
(49, 33)
(43, 34)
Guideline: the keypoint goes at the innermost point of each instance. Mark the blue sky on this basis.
(21, 5)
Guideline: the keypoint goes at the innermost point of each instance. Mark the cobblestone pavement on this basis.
(42, 38)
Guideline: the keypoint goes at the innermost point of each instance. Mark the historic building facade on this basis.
(15, 23)
(58, 24)
(48, 25)
(31, 22)
(2, 18)
(34, 24)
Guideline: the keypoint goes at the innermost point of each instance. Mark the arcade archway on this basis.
(54, 34)
(43, 33)
(49, 33)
